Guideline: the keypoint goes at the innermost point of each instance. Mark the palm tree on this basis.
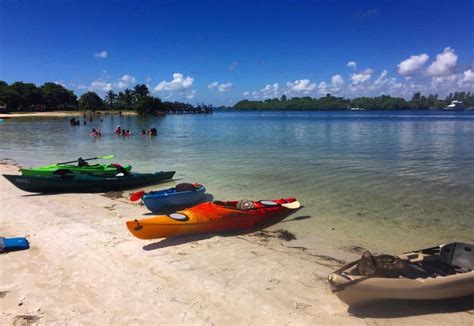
(141, 90)
(111, 98)
(126, 97)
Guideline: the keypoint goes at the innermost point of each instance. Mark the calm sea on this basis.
(387, 181)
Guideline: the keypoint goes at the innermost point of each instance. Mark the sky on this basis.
(220, 52)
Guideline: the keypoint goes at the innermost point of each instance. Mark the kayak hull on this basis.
(50, 170)
(357, 290)
(86, 183)
(169, 198)
(206, 218)
(369, 291)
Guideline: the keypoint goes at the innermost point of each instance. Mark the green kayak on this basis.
(63, 169)
(86, 183)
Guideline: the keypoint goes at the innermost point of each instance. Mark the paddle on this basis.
(104, 157)
(294, 205)
(136, 195)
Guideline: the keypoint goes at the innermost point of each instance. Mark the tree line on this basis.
(20, 96)
(384, 102)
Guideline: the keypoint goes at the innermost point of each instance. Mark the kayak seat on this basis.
(458, 255)
(180, 187)
(435, 268)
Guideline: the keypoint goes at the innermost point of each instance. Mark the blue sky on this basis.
(220, 52)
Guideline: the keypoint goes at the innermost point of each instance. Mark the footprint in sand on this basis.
(26, 320)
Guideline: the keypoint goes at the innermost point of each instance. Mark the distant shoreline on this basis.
(59, 114)
(62, 114)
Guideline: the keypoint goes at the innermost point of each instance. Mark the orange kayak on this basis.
(212, 217)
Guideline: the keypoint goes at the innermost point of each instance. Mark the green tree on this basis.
(31, 96)
(141, 90)
(111, 98)
(90, 101)
(149, 105)
(58, 97)
(10, 98)
(126, 98)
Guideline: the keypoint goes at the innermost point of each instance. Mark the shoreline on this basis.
(60, 114)
(83, 266)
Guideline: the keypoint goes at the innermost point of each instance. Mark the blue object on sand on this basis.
(13, 244)
(174, 197)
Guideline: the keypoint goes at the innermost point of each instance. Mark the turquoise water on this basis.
(387, 181)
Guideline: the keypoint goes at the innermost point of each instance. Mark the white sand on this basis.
(84, 267)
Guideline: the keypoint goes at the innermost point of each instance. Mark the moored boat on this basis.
(455, 106)
(441, 272)
(183, 195)
(86, 183)
(212, 217)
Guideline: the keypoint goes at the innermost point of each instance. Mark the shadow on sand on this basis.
(175, 241)
(397, 309)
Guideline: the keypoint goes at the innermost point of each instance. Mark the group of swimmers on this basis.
(150, 132)
(120, 132)
(77, 122)
(125, 132)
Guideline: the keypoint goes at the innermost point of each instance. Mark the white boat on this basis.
(455, 106)
(356, 109)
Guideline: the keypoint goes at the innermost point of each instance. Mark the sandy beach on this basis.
(84, 267)
(62, 114)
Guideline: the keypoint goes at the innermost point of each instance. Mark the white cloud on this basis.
(100, 86)
(213, 85)
(361, 76)
(301, 86)
(125, 81)
(224, 87)
(323, 88)
(269, 91)
(178, 83)
(352, 64)
(246, 93)
(101, 54)
(468, 76)
(455, 82)
(192, 94)
(444, 63)
(411, 65)
(381, 78)
(337, 81)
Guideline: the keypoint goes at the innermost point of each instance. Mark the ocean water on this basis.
(387, 181)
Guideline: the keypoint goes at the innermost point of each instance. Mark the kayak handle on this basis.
(138, 227)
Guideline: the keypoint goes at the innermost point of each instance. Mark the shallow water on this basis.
(387, 181)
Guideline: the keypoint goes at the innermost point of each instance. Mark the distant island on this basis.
(27, 97)
(384, 102)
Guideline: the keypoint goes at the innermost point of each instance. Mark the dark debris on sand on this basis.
(113, 194)
(280, 234)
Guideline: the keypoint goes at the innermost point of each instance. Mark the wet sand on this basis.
(84, 267)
